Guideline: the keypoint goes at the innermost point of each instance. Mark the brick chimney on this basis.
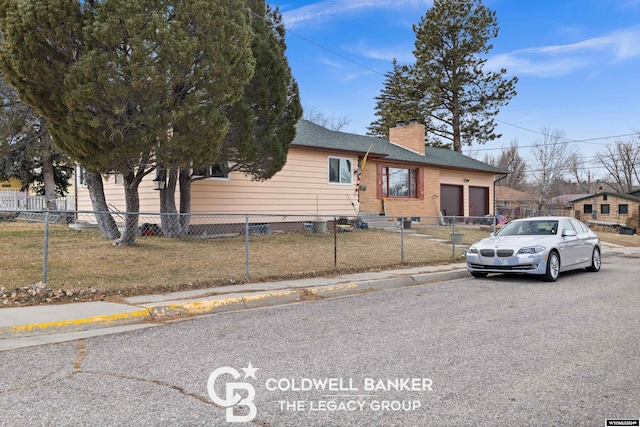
(409, 135)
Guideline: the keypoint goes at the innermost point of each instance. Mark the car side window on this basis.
(566, 226)
(584, 227)
(577, 226)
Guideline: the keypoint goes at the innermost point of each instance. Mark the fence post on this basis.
(453, 237)
(246, 245)
(335, 243)
(401, 240)
(46, 247)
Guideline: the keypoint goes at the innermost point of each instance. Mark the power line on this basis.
(346, 58)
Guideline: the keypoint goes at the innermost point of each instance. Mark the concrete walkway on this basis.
(36, 325)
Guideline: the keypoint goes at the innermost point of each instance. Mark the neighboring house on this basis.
(514, 203)
(562, 202)
(401, 177)
(608, 207)
(10, 194)
(12, 184)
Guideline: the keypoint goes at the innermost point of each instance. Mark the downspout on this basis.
(495, 212)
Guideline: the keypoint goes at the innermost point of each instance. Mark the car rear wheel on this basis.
(553, 267)
(595, 260)
(478, 275)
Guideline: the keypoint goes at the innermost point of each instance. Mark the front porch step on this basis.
(382, 222)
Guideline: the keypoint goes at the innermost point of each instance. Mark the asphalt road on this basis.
(489, 352)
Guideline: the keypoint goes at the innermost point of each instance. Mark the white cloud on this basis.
(558, 60)
(403, 54)
(327, 9)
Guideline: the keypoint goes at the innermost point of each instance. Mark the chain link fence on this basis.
(67, 249)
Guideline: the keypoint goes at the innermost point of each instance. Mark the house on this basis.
(514, 203)
(401, 177)
(562, 203)
(11, 185)
(609, 208)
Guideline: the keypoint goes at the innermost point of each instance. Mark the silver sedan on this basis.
(544, 246)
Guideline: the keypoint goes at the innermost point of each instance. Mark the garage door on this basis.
(451, 200)
(478, 201)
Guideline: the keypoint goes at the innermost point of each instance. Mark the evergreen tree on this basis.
(37, 67)
(447, 87)
(262, 123)
(124, 74)
(461, 99)
(26, 152)
(396, 102)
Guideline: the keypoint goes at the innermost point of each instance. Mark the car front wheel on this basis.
(553, 267)
(595, 260)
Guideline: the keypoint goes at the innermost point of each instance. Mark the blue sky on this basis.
(577, 61)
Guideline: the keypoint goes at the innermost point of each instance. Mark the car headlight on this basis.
(531, 250)
(472, 250)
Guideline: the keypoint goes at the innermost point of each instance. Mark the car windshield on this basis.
(529, 228)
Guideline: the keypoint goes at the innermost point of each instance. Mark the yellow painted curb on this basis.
(197, 307)
(76, 324)
(222, 304)
(334, 288)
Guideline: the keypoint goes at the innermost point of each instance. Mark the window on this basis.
(119, 178)
(218, 170)
(604, 209)
(80, 170)
(579, 227)
(398, 182)
(604, 197)
(587, 209)
(623, 209)
(340, 170)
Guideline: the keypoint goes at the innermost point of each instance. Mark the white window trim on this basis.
(329, 171)
(212, 178)
(81, 182)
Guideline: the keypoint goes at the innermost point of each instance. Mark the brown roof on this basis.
(506, 193)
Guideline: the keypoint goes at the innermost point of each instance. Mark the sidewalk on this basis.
(35, 325)
(28, 326)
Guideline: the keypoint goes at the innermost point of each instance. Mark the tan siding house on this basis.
(320, 177)
(606, 207)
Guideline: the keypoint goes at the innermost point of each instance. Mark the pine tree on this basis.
(460, 98)
(396, 102)
(447, 88)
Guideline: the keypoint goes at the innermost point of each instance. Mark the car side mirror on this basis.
(569, 233)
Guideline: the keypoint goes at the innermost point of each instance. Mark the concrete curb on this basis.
(234, 302)
(38, 321)
(65, 318)
(222, 303)
(137, 315)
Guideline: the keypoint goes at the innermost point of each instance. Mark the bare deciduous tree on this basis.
(585, 179)
(328, 122)
(549, 162)
(511, 161)
(622, 161)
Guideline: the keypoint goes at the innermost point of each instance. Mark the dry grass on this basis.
(82, 259)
